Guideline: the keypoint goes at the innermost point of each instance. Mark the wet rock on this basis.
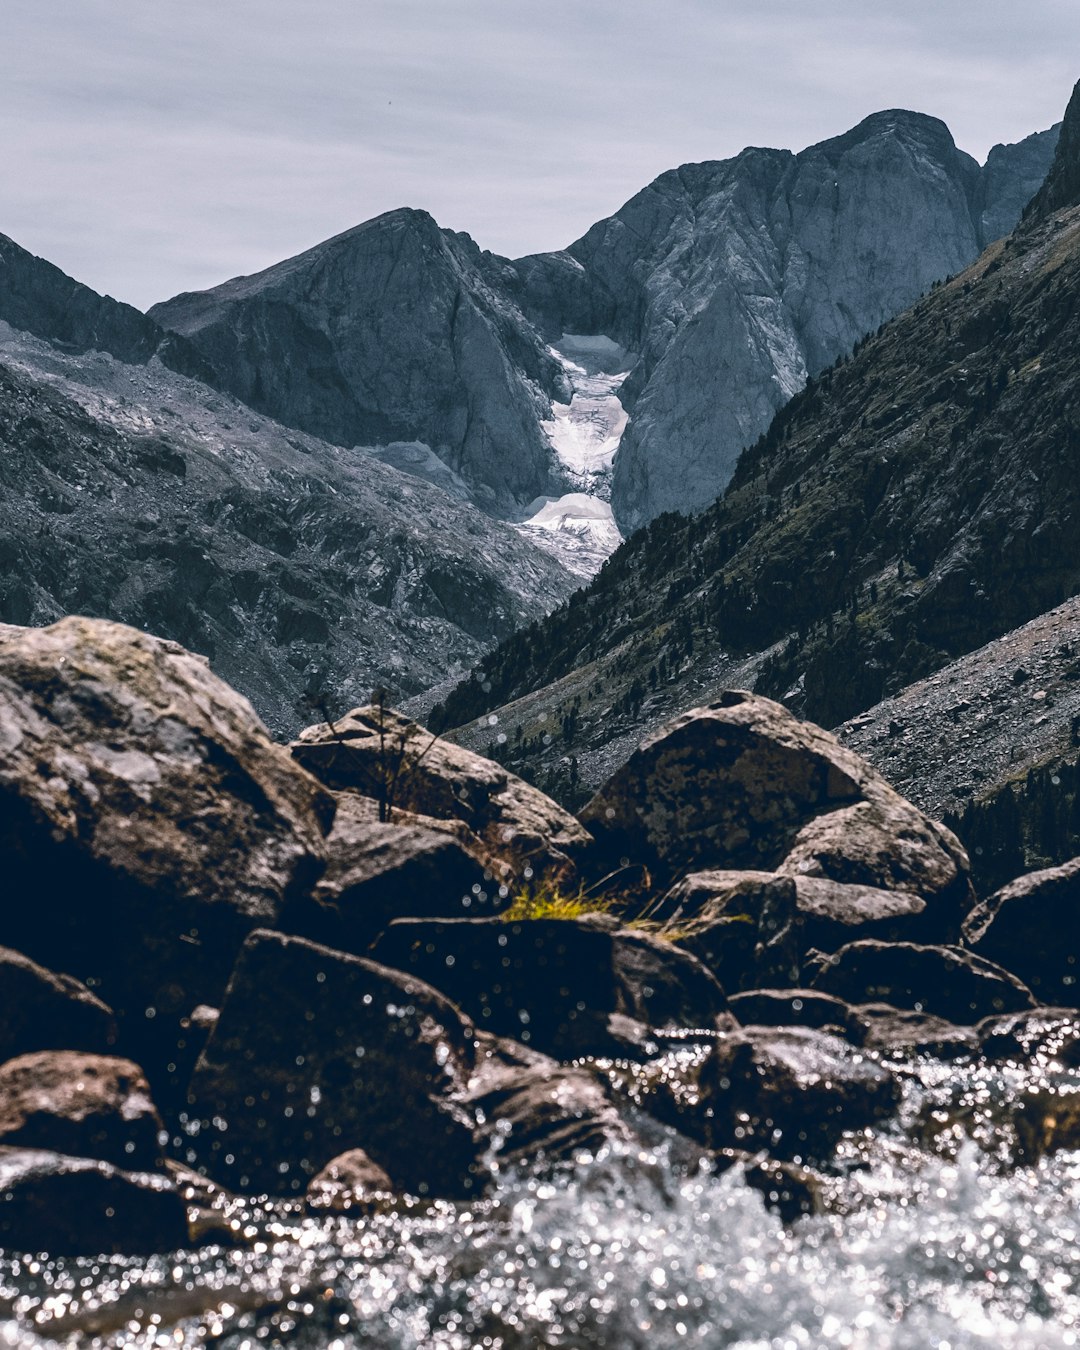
(349, 1184)
(81, 1207)
(1024, 925)
(742, 926)
(317, 1052)
(533, 1108)
(1043, 1035)
(377, 872)
(791, 1090)
(892, 1031)
(382, 755)
(787, 1189)
(791, 1008)
(832, 913)
(567, 987)
(41, 1010)
(145, 815)
(946, 981)
(91, 1106)
(742, 784)
(1046, 1119)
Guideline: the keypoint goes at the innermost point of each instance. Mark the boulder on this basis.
(742, 926)
(91, 1106)
(834, 913)
(791, 1008)
(946, 981)
(384, 756)
(532, 1108)
(82, 1207)
(40, 1010)
(377, 872)
(147, 821)
(1041, 1036)
(893, 1031)
(1029, 925)
(349, 1184)
(566, 987)
(316, 1052)
(792, 1091)
(742, 784)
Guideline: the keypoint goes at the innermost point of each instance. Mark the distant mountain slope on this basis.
(991, 744)
(38, 298)
(301, 569)
(393, 331)
(736, 280)
(909, 505)
(728, 282)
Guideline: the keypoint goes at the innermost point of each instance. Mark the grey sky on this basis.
(156, 147)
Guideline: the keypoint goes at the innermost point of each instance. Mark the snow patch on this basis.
(585, 432)
(578, 529)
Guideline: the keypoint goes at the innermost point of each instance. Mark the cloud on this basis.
(154, 148)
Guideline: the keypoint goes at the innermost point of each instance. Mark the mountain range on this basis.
(370, 464)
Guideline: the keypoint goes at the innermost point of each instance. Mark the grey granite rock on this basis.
(392, 331)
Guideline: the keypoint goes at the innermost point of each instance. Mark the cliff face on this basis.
(737, 280)
(389, 332)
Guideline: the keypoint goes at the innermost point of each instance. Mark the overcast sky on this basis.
(154, 147)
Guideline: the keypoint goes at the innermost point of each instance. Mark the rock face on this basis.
(742, 784)
(564, 987)
(1029, 926)
(736, 280)
(316, 1052)
(1062, 186)
(384, 756)
(40, 1010)
(90, 1106)
(147, 822)
(392, 331)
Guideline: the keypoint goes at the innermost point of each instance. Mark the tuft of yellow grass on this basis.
(548, 901)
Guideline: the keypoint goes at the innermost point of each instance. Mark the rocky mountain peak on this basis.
(1062, 186)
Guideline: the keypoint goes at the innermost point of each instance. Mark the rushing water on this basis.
(947, 1249)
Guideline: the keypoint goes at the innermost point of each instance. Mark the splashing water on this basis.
(952, 1253)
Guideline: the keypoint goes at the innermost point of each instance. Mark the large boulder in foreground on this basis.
(742, 784)
(147, 821)
(316, 1052)
(384, 756)
(92, 1106)
(1032, 925)
(566, 987)
(41, 1010)
(81, 1207)
(947, 982)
